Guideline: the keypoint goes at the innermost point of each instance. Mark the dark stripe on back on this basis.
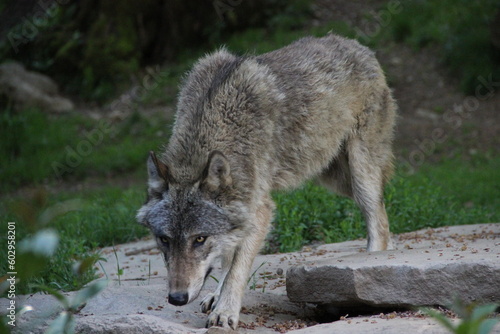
(222, 75)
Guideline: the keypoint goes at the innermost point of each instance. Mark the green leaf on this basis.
(4, 285)
(59, 209)
(62, 325)
(34, 253)
(487, 326)
(24, 309)
(43, 243)
(86, 264)
(87, 293)
(466, 327)
(482, 312)
(29, 265)
(441, 318)
(460, 308)
(57, 294)
(4, 328)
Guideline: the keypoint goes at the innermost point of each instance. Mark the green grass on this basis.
(106, 217)
(458, 29)
(453, 193)
(472, 182)
(40, 148)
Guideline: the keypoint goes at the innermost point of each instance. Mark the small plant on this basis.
(253, 277)
(34, 254)
(64, 323)
(119, 271)
(474, 318)
(149, 272)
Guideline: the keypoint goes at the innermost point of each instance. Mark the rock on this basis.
(407, 277)
(377, 325)
(136, 302)
(27, 89)
(45, 309)
(131, 324)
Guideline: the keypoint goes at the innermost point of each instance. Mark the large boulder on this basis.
(27, 89)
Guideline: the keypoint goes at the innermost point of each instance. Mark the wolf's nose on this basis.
(178, 298)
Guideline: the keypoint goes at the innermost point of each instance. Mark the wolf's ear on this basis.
(217, 173)
(157, 171)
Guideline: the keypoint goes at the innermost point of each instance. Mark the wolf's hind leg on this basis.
(227, 309)
(208, 303)
(368, 167)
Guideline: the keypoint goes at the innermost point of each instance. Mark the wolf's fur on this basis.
(248, 125)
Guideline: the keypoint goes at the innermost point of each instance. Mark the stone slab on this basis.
(431, 275)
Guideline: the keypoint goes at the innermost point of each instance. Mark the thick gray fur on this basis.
(318, 108)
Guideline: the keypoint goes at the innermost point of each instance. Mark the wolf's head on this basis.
(190, 223)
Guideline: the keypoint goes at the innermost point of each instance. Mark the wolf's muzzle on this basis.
(178, 298)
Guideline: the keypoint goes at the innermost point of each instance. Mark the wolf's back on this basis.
(259, 109)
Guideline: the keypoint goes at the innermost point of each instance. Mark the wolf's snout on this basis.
(178, 298)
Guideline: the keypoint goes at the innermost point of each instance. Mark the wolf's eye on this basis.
(164, 240)
(200, 240)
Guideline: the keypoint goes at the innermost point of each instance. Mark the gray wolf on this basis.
(246, 125)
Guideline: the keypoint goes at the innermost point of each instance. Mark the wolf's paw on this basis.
(208, 303)
(223, 318)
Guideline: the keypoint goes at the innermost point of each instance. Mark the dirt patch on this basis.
(434, 116)
(436, 119)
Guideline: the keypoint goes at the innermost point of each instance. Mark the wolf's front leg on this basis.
(210, 300)
(227, 310)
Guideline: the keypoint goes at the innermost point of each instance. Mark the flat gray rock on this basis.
(131, 324)
(466, 265)
(377, 325)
